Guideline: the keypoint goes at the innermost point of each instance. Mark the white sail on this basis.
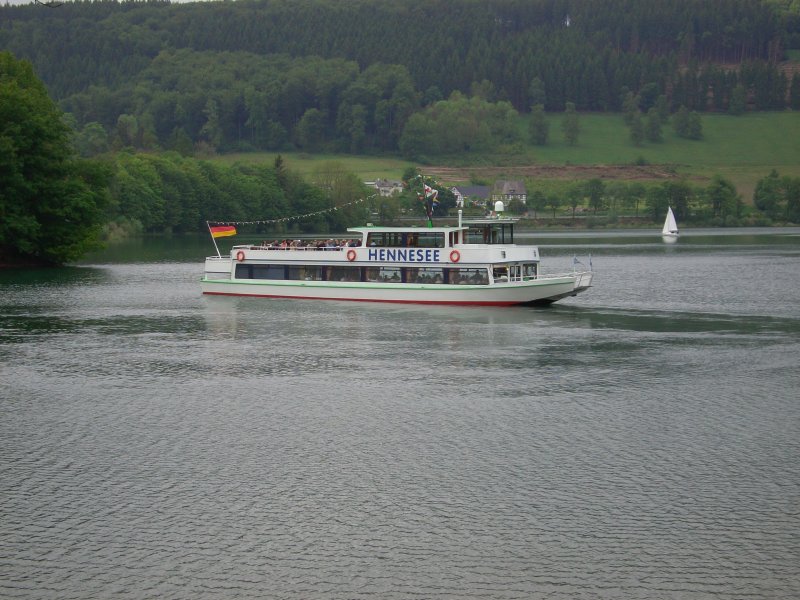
(670, 226)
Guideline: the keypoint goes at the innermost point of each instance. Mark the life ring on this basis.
(240, 255)
(351, 255)
(455, 256)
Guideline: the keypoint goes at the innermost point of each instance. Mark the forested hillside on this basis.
(346, 75)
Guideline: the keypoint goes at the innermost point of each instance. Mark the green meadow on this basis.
(742, 149)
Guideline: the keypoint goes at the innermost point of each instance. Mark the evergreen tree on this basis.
(791, 186)
(537, 93)
(539, 128)
(768, 195)
(695, 127)
(570, 124)
(637, 129)
(722, 199)
(662, 106)
(680, 122)
(630, 106)
(688, 124)
(51, 203)
(738, 102)
(794, 92)
(595, 191)
(648, 96)
(211, 131)
(653, 127)
(310, 131)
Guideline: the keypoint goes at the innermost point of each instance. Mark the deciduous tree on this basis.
(51, 202)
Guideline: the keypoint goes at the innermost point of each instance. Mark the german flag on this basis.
(222, 231)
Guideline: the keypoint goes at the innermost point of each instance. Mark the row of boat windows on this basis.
(385, 274)
(423, 239)
(397, 239)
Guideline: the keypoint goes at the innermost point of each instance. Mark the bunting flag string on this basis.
(294, 217)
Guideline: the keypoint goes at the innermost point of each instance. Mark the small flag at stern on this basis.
(222, 231)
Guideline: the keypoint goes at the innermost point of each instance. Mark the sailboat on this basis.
(669, 233)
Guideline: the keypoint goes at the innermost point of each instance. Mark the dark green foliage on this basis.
(687, 124)
(738, 103)
(652, 129)
(792, 187)
(570, 124)
(538, 127)
(595, 190)
(51, 204)
(630, 107)
(637, 128)
(794, 90)
(721, 198)
(778, 197)
(768, 195)
(169, 192)
(537, 201)
(677, 195)
(538, 94)
(241, 75)
(457, 125)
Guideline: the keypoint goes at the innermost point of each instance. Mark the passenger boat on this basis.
(473, 263)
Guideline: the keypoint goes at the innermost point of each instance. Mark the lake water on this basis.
(639, 441)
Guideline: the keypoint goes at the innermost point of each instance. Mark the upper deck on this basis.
(479, 241)
(487, 231)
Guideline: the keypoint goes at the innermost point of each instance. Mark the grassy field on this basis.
(742, 149)
(366, 167)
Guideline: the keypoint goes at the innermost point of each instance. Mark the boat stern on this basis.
(217, 267)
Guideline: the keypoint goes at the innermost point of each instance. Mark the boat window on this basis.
(344, 273)
(529, 271)
(467, 276)
(493, 233)
(305, 273)
(260, 272)
(406, 239)
(390, 274)
(371, 273)
(424, 275)
(500, 273)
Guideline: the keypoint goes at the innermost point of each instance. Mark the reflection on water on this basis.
(638, 441)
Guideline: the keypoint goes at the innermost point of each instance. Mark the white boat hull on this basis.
(542, 290)
(669, 238)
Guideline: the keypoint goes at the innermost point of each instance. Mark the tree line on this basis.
(322, 74)
(169, 192)
(776, 200)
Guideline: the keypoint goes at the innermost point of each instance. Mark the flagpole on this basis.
(212, 239)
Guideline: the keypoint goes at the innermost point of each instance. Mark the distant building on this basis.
(470, 195)
(387, 188)
(508, 190)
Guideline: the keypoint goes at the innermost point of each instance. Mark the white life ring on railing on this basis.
(240, 255)
(351, 255)
(455, 256)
